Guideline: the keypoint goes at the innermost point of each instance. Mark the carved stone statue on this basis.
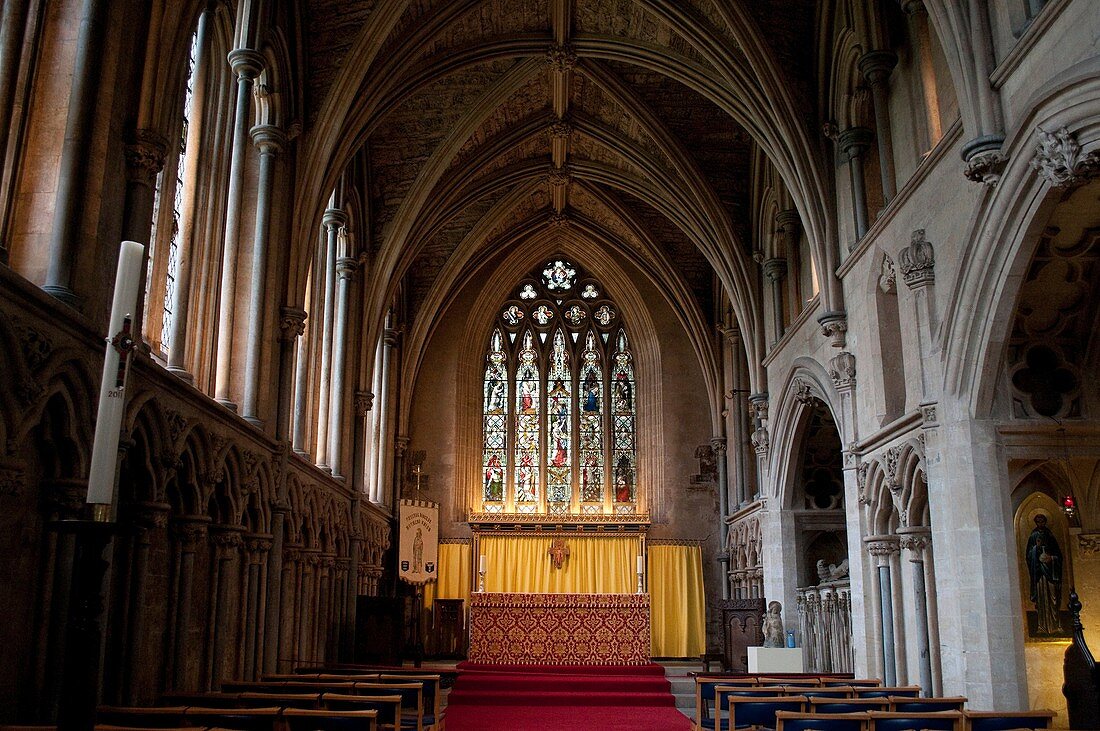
(832, 572)
(773, 626)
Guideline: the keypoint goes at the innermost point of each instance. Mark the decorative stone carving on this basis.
(831, 572)
(559, 220)
(1059, 161)
(145, 156)
(834, 325)
(561, 58)
(842, 369)
(861, 482)
(1089, 543)
(364, 402)
(560, 130)
(773, 626)
(915, 543)
(36, 347)
(985, 166)
(917, 261)
(759, 440)
(888, 276)
(883, 546)
(775, 269)
(558, 176)
(177, 423)
(928, 414)
(292, 323)
(803, 394)
(189, 532)
(718, 444)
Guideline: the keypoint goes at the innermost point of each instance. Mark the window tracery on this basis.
(558, 395)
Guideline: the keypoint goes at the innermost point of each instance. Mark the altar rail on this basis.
(560, 629)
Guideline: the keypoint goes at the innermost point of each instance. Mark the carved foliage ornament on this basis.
(1059, 159)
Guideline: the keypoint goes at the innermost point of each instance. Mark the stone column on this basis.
(735, 419)
(301, 395)
(291, 328)
(269, 140)
(914, 541)
(345, 272)
(181, 299)
(144, 160)
(758, 404)
(876, 67)
(374, 432)
(385, 440)
(151, 519)
(718, 444)
(247, 64)
(917, 263)
(364, 400)
(273, 595)
(333, 221)
(788, 225)
(881, 548)
(190, 535)
(775, 270)
(13, 23)
(227, 551)
(76, 153)
(257, 549)
(916, 17)
(853, 142)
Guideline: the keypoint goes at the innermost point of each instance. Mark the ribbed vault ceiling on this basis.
(478, 118)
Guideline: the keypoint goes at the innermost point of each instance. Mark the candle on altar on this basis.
(481, 564)
(112, 391)
(641, 564)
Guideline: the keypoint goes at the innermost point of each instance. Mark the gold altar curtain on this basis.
(675, 580)
(454, 575)
(596, 565)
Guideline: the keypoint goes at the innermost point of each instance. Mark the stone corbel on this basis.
(1059, 159)
(918, 261)
(984, 159)
(842, 369)
(1089, 543)
(834, 325)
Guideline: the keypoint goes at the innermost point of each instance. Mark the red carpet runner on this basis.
(562, 698)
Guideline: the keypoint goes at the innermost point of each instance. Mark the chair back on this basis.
(163, 717)
(298, 719)
(755, 691)
(1003, 721)
(833, 691)
(910, 691)
(847, 705)
(209, 700)
(851, 681)
(388, 706)
(752, 711)
(788, 721)
(903, 704)
(240, 719)
(801, 680)
(283, 700)
(937, 721)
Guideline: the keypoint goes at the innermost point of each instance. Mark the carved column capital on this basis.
(915, 541)
(917, 261)
(227, 541)
(834, 325)
(246, 63)
(190, 531)
(718, 444)
(985, 161)
(364, 402)
(882, 547)
(842, 369)
(149, 517)
(1060, 161)
(269, 139)
(292, 323)
(877, 65)
(855, 141)
(732, 334)
(145, 156)
(334, 218)
(345, 267)
(775, 269)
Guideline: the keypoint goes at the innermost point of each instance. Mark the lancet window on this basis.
(559, 408)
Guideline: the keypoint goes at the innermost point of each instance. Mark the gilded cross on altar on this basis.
(558, 552)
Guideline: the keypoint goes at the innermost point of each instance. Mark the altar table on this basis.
(559, 629)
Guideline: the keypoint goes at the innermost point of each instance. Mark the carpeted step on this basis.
(543, 718)
(591, 683)
(534, 697)
(647, 669)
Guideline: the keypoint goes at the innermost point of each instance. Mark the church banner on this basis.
(418, 552)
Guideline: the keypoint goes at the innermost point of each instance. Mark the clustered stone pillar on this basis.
(190, 534)
(13, 21)
(181, 299)
(298, 432)
(718, 444)
(914, 543)
(775, 270)
(292, 326)
(226, 542)
(853, 142)
(876, 67)
(334, 219)
(144, 160)
(273, 575)
(76, 153)
(268, 140)
(387, 443)
(374, 425)
(916, 17)
(364, 400)
(788, 226)
(253, 624)
(151, 519)
(735, 418)
(882, 548)
(247, 64)
(345, 273)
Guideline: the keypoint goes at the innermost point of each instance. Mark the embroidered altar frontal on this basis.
(560, 629)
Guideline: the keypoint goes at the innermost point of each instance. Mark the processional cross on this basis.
(558, 552)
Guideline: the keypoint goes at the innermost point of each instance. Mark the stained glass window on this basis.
(495, 453)
(622, 429)
(559, 400)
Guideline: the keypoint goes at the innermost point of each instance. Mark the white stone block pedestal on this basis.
(775, 660)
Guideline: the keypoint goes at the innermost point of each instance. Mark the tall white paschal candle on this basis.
(641, 564)
(112, 390)
(481, 564)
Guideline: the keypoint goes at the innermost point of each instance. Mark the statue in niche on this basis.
(1044, 567)
(773, 626)
(708, 466)
(831, 572)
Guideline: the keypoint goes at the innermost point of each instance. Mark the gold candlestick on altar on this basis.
(481, 573)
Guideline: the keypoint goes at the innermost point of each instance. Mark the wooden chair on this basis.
(910, 691)
(299, 719)
(211, 699)
(240, 719)
(831, 691)
(937, 721)
(813, 681)
(847, 705)
(867, 682)
(789, 721)
(746, 712)
(283, 700)
(387, 706)
(904, 704)
(433, 695)
(157, 717)
(412, 701)
(757, 691)
(1005, 720)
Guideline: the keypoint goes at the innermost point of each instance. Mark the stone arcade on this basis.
(842, 257)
